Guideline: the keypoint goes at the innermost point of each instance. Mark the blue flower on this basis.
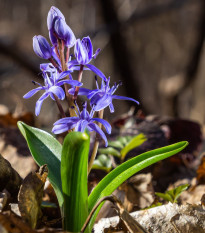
(84, 120)
(52, 83)
(102, 97)
(84, 54)
(41, 47)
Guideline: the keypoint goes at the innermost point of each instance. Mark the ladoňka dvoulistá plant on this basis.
(68, 164)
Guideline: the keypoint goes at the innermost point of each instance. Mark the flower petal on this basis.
(124, 98)
(62, 75)
(32, 92)
(97, 71)
(80, 52)
(58, 129)
(86, 41)
(99, 131)
(67, 120)
(82, 91)
(101, 102)
(39, 103)
(58, 91)
(111, 107)
(70, 82)
(104, 123)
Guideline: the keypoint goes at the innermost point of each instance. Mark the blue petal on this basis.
(58, 129)
(72, 63)
(82, 91)
(32, 92)
(81, 125)
(70, 82)
(53, 38)
(104, 123)
(39, 103)
(63, 75)
(124, 98)
(67, 120)
(41, 47)
(80, 52)
(96, 53)
(58, 91)
(88, 46)
(101, 102)
(99, 131)
(97, 71)
(53, 12)
(111, 107)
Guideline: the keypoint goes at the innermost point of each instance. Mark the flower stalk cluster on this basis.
(59, 83)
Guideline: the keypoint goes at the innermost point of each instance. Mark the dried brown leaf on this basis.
(11, 223)
(30, 196)
(9, 178)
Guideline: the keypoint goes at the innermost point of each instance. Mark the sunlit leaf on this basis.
(117, 176)
(45, 149)
(133, 143)
(103, 162)
(74, 170)
(110, 151)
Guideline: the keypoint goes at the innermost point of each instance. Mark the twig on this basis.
(96, 144)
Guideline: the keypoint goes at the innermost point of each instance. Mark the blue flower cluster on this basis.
(58, 73)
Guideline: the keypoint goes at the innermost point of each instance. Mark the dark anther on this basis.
(72, 107)
(119, 83)
(34, 82)
(96, 78)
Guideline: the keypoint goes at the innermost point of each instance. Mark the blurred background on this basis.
(156, 48)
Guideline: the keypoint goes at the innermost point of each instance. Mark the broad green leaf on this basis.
(116, 177)
(45, 149)
(74, 171)
(135, 142)
(110, 151)
(103, 162)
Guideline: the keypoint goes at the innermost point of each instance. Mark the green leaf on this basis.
(133, 143)
(164, 196)
(122, 140)
(173, 194)
(117, 176)
(74, 171)
(103, 162)
(45, 149)
(110, 151)
(116, 144)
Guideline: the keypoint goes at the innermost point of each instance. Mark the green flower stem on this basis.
(96, 144)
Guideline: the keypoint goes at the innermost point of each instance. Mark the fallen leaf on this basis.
(9, 178)
(30, 196)
(10, 223)
(201, 172)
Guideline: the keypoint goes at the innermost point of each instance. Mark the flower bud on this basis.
(41, 47)
(63, 32)
(83, 50)
(53, 38)
(52, 14)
